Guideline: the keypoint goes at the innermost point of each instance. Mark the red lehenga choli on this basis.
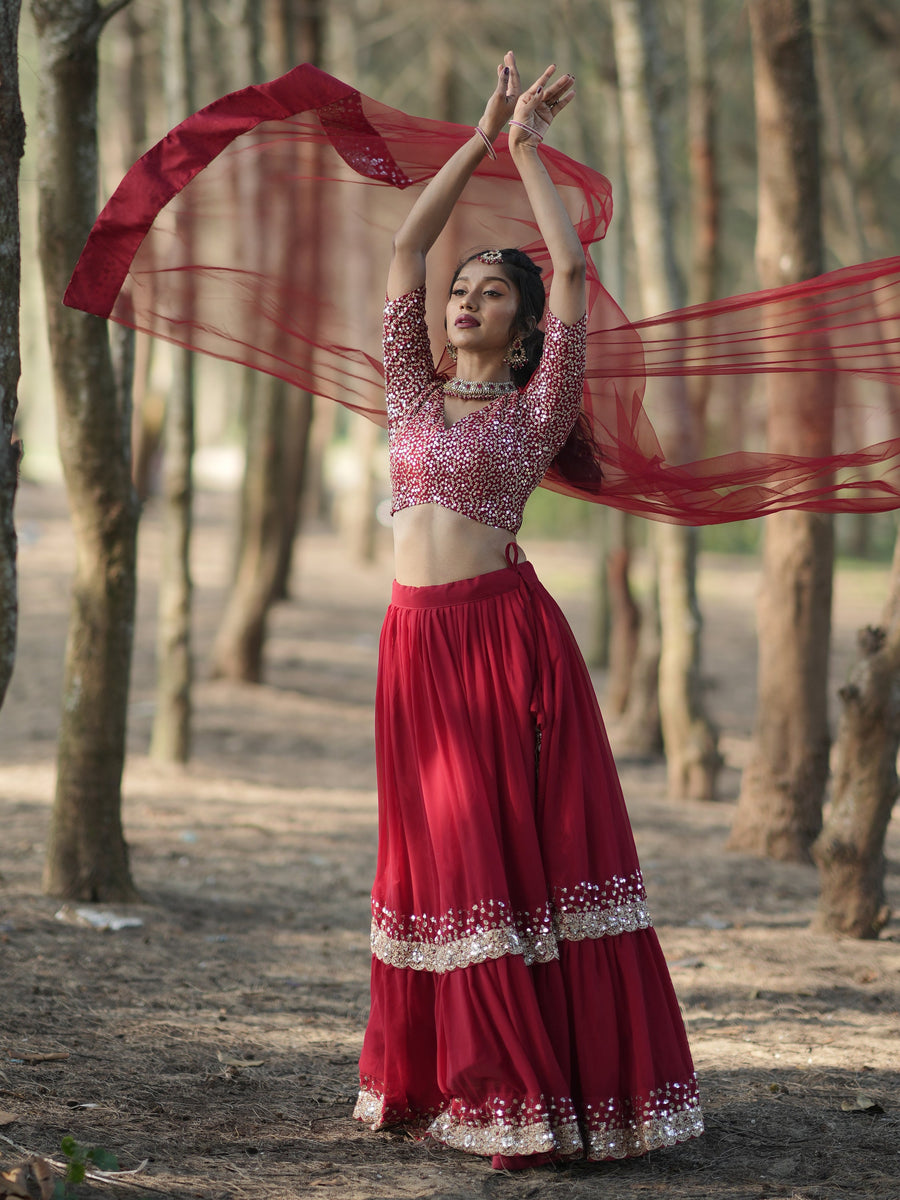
(520, 1004)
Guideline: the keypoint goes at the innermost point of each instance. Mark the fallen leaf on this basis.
(240, 1062)
(861, 1103)
(32, 1180)
(7, 1118)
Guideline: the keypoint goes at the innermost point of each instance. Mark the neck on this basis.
(482, 368)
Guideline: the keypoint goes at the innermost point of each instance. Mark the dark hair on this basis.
(578, 461)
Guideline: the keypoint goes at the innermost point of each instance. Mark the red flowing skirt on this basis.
(520, 1001)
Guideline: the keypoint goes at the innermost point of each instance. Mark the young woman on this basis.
(521, 1007)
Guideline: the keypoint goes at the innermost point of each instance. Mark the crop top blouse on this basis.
(487, 464)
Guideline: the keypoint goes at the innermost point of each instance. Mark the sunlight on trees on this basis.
(435, 59)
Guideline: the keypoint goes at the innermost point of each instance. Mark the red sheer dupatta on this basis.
(259, 231)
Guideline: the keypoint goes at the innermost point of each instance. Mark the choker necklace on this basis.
(476, 389)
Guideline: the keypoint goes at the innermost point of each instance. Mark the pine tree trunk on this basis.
(601, 612)
(87, 858)
(278, 419)
(12, 145)
(703, 182)
(779, 810)
(299, 36)
(238, 650)
(171, 737)
(689, 738)
(624, 615)
(849, 851)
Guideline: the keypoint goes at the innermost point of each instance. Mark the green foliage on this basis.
(550, 515)
(736, 537)
(79, 1160)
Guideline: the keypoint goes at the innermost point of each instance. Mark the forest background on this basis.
(435, 60)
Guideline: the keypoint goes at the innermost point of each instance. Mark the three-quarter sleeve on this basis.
(408, 364)
(554, 392)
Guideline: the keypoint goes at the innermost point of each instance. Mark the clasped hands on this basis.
(534, 109)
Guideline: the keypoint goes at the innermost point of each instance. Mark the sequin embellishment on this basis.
(486, 465)
(460, 937)
(597, 1130)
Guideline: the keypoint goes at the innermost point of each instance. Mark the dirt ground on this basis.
(216, 1042)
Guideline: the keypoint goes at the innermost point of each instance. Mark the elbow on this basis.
(405, 245)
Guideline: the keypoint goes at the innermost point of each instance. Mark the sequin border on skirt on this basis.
(491, 929)
(611, 1129)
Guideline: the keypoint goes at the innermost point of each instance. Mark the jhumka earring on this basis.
(515, 355)
(451, 350)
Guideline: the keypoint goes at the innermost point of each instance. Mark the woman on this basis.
(520, 1004)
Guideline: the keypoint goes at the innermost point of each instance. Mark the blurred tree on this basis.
(277, 416)
(849, 851)
(779, 810)
(841, 214)
(12, 147)
(689, 739)
(87, 858)
(171, 737)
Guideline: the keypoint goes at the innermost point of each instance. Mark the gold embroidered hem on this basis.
(490, 929)
(613, 1129)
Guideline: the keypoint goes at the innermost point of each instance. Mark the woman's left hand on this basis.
(536, 107)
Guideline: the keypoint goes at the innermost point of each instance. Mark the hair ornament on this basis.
(490, 257)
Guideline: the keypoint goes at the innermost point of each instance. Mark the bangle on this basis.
(528, 129)
(487, 141)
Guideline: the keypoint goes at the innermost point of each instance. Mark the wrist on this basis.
(487, 142)
(490, 128)
(527, 148)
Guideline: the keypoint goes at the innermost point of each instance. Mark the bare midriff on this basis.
(437, 545)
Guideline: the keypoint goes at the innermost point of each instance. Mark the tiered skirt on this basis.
(520, 1002)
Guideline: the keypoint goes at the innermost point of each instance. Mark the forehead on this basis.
(475, 272)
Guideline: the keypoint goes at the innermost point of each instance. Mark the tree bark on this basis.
(238, 650)
(87, 858)
(12, 146)
(849, 851)
(779, 810)
(624, 617)
(703, 182)
(278, 417)
(171, 737)
(689, 738)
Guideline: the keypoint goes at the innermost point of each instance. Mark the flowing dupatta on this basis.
(259, 231)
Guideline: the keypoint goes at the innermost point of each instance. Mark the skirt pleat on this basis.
(520, 1002)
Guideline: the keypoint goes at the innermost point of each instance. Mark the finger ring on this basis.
(553, 104)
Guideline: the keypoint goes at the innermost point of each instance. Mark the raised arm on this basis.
(533, 115)
(430, 213)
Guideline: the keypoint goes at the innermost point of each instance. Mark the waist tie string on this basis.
(541, 653)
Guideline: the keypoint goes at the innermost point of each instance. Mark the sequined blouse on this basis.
(487, 464)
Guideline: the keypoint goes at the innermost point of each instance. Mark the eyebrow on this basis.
(486, 279)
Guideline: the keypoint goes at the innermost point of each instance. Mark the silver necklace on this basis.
(478, 389)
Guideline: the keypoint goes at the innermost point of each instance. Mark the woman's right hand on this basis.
(501, 105)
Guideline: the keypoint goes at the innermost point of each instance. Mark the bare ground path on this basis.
(219, 1038)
